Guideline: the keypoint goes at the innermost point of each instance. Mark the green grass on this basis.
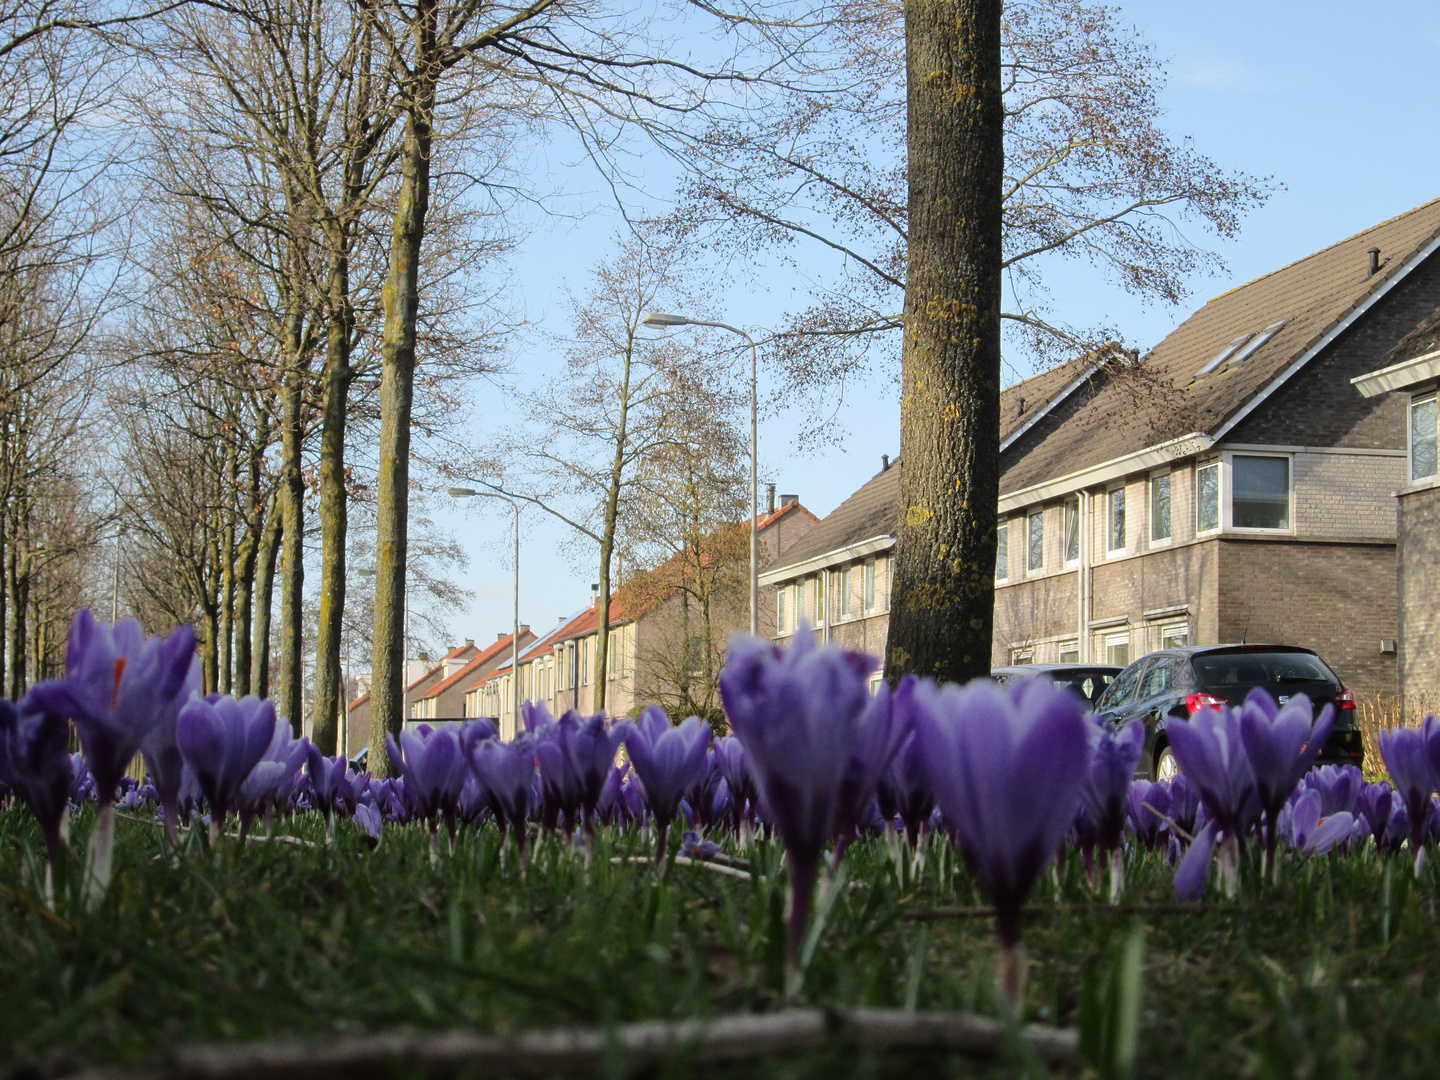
(1336, 972)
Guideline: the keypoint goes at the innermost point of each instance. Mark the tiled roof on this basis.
(490, 652)
(1164, 396)
(541, 646)
(1424, 339)
(1097, 416)
(765, 519)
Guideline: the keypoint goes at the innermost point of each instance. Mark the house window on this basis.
(1117, 520)
(870, 585)
(1160, 507)
(1020, 657)
(1175, 637)
(1207, 497)
(1117, 649)
(1423, 462)
(1069, 652)
(1260, 492)
(1072, 529)
(820, 598)
(845, 593)
(1035, 541)
(780, 609)
(800, 612)
(1002, 551)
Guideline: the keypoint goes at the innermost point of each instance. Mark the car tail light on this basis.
(1345, 699)
(1196, 702)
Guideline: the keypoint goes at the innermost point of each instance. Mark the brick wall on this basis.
(1184, 574)
(1034, 613)
(1346, 494)
(1338, 599)
(1418, 560)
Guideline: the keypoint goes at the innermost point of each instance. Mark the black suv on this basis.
(1178, 682)
(1087, 680)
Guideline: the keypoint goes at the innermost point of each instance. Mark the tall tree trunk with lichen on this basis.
(607, 533)
(943, 600)
(333, 523)
(289, 700)
(264, 598)
(401, 299)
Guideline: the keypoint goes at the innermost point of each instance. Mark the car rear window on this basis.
(1089, 683)
(1260, 668)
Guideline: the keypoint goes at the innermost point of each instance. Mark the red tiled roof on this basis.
(491, 650)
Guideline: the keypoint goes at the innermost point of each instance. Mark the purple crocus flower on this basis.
(1373, 804)
(35, 763)
(1338, 786)
(730, 760)
(273, 777)
(163, 760)
(877, 742)
(434, 772)
(797, 713)
(506, 771)
(904, 792)
(370, 822)
(1007, 765)
(1282, 742)
(1114, 754)
(1210, 750)
(1308, 832)
(118, 684)
(221, 743)
(329, 785)
(668, 759)
(1407, 753)
(1147, 805)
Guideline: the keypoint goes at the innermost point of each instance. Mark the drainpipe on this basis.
(1082, 580)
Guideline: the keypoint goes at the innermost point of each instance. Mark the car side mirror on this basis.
(1107, 715)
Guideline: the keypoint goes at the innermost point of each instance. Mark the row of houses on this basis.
(1266, 473)
(649, 636)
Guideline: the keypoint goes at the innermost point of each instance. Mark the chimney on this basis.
(884, 462)
(769, 498)
(594, 595)
(1374, 261)
(524, 629)
(786, 500)
(501, 637)
(1020, 407)
(469, 642)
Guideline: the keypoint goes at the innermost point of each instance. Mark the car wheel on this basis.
(1166, 767)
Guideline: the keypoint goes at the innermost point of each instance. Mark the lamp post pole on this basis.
(659, 320)
(466, 493)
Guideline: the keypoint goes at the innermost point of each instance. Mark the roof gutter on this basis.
(1399, 376)
(1335, 331)
(1151, 457)
(848, 553)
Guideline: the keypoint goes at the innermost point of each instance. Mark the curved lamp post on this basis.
(466, 493)
(657, 320)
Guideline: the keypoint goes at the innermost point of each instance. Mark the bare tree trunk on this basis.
(333, 523)
(607, 533)
(264, 598)
(225, 625)
(288, 702)
(942, 604)
(401, 299)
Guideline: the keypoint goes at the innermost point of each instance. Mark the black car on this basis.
(1087, 680)
(1179, 682)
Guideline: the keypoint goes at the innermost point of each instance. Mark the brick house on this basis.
(1411, 374)
(446, 699)
(355, 734)
(1231, 485)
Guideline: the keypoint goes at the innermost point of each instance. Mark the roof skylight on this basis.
(1225, 354)
(1259, 339)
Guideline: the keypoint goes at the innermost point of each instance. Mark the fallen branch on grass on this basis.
(570, 1050)
(683, 860)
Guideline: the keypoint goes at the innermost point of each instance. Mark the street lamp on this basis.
(657, 320)
(466, 493)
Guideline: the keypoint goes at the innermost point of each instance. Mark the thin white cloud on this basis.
(1225, 75)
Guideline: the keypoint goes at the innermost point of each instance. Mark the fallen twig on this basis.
(683, 860)
(569, 1050)
(930, 914)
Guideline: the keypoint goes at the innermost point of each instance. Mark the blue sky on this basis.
(1337, 101)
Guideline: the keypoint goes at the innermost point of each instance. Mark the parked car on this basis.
(1087, 680)
(1179, 682)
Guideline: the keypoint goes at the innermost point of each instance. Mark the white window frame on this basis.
(846, 608)
(1218, 465)
(1064, 647)
(1171, 630)
(1419, 398)
(1070, 506)
(1118, 637)
(1022, 656)
(1124, 548)
(780, 626)
(1150, 540)
(1002, 543)
(1227, 488)
(1030, 523)
(822, 597)
(868, 598)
